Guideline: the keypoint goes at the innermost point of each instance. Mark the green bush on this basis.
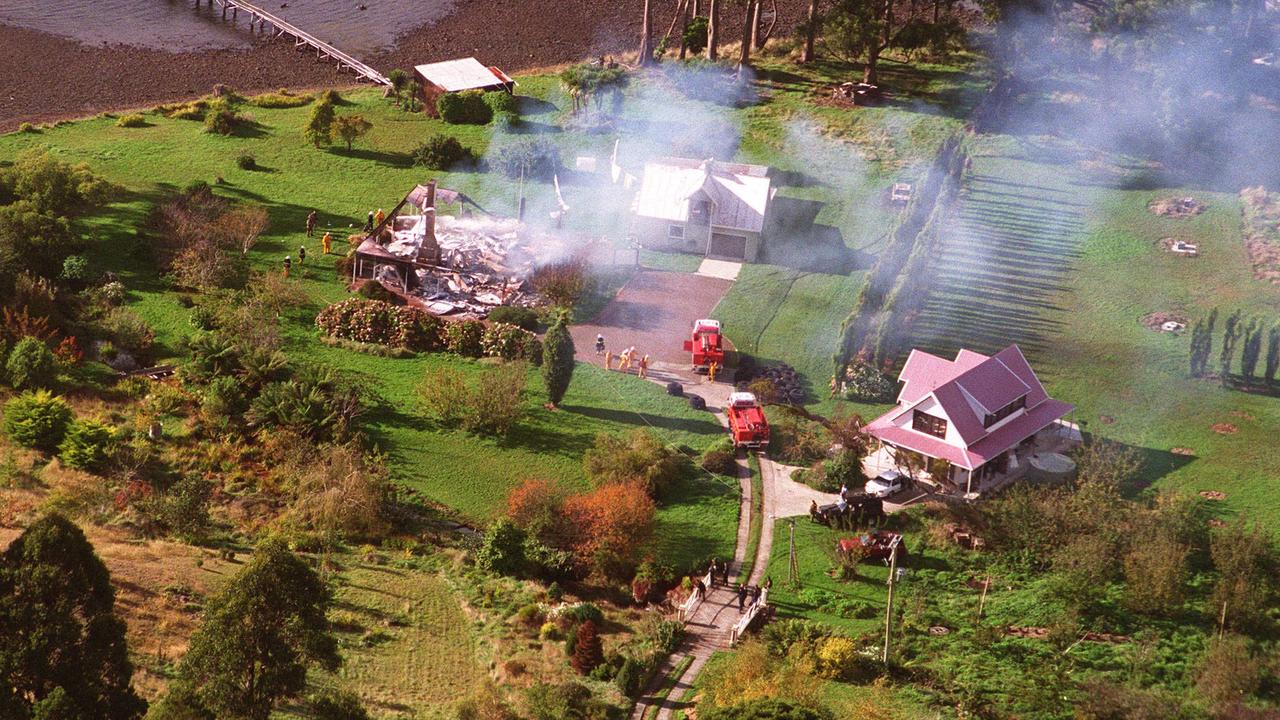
(75, 268)
(37, 420)
(502, 550)
(464, 337)
(184, 509)
(695, 35)
(86, 445)
(128, 330)
(31, 364)
(537, 158)
(221, 117)
(720, 459)
(131, 121)
(27, 127)
(464, 108)
(521, 317)
(503, 104)
(845, 469)
(375, 290)
(441, 152)
(281, 99)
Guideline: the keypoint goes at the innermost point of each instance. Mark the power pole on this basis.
(888, 609)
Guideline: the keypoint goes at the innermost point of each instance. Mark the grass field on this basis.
(467, 474)
(1052, 251)
(403, 620)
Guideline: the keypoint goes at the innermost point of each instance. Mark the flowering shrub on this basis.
(511, 343)
(464, 337)
(381, 323)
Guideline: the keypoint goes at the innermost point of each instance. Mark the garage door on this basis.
(728, 246)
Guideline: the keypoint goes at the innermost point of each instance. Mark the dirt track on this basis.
(44, 77)
(653, 311)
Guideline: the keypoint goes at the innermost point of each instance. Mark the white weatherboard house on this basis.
(706, 207)
(980, 413)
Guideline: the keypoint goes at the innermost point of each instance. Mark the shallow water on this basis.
(177, 25)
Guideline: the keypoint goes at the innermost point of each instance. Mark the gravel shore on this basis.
(45, 77)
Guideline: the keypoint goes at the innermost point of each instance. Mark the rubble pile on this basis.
(1182, 207)
(483, 263)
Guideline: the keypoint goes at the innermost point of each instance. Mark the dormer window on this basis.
(1004, 412)
(929, 424)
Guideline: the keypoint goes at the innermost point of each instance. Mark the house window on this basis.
(929, 424)
(1004, 412)
(675, 232)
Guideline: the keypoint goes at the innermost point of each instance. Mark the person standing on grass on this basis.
(326, 243)
(288, 265)
(311, 223)
(742, 597)
(368, 224)
(302, 254)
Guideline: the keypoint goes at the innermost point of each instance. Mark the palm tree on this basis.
(399, 79)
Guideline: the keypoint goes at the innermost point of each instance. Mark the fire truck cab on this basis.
(705, 344)
(747, 425)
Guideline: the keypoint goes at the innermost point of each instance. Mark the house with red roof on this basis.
(979, 413)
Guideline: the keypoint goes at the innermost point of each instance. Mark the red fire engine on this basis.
(705, 345)
(746, 421)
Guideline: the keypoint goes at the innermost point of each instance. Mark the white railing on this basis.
(740, 627)
(691, 603)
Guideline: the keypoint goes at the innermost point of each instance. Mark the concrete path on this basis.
(723, 269)
(708, 630)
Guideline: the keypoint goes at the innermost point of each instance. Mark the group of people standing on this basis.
(718, 573)
(626, 359)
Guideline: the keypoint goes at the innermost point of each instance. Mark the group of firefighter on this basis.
(326, 241)
(627, 359)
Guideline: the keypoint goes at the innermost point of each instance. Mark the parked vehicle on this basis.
(886, 483)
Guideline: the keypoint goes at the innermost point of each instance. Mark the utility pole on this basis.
(888, 609)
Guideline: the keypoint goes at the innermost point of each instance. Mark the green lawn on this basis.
(467, 474)
(1052, 252)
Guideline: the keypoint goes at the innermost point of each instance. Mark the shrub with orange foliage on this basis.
(537, 506)
(611, 526)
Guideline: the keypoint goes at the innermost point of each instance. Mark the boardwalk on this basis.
(302, 40)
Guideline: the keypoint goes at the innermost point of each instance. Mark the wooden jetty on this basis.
(302, 40)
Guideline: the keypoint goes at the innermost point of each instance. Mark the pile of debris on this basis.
(1180, 247)
(1168, 322)
(461, 266)
(784, 378)
(860, 93)
(1182, 207)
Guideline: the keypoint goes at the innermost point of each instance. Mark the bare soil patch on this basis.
(1106, 419)
(654, 312)
(1224, 428)
(1183, 451)
(1179, 207)
(1213, 495)
(1165, 321)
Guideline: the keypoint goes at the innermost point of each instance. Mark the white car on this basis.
(885, 484)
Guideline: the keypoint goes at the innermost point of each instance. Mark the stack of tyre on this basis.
(783, 377)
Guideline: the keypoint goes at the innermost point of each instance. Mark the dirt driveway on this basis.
(654, 312)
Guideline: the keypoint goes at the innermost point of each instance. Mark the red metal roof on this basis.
(993, 382)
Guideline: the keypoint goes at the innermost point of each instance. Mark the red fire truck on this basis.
(705, 345)
(746, 421)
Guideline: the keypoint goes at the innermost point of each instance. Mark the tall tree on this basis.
(399, 80)
(557, 360)
(857, 30)
(1197, 343)
(744, 54)
(319, 129)
(713, 29)
(350, 127)
(63, 647)
(811, 24)
(646, 37)
(1273, 355)
(259, 636)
